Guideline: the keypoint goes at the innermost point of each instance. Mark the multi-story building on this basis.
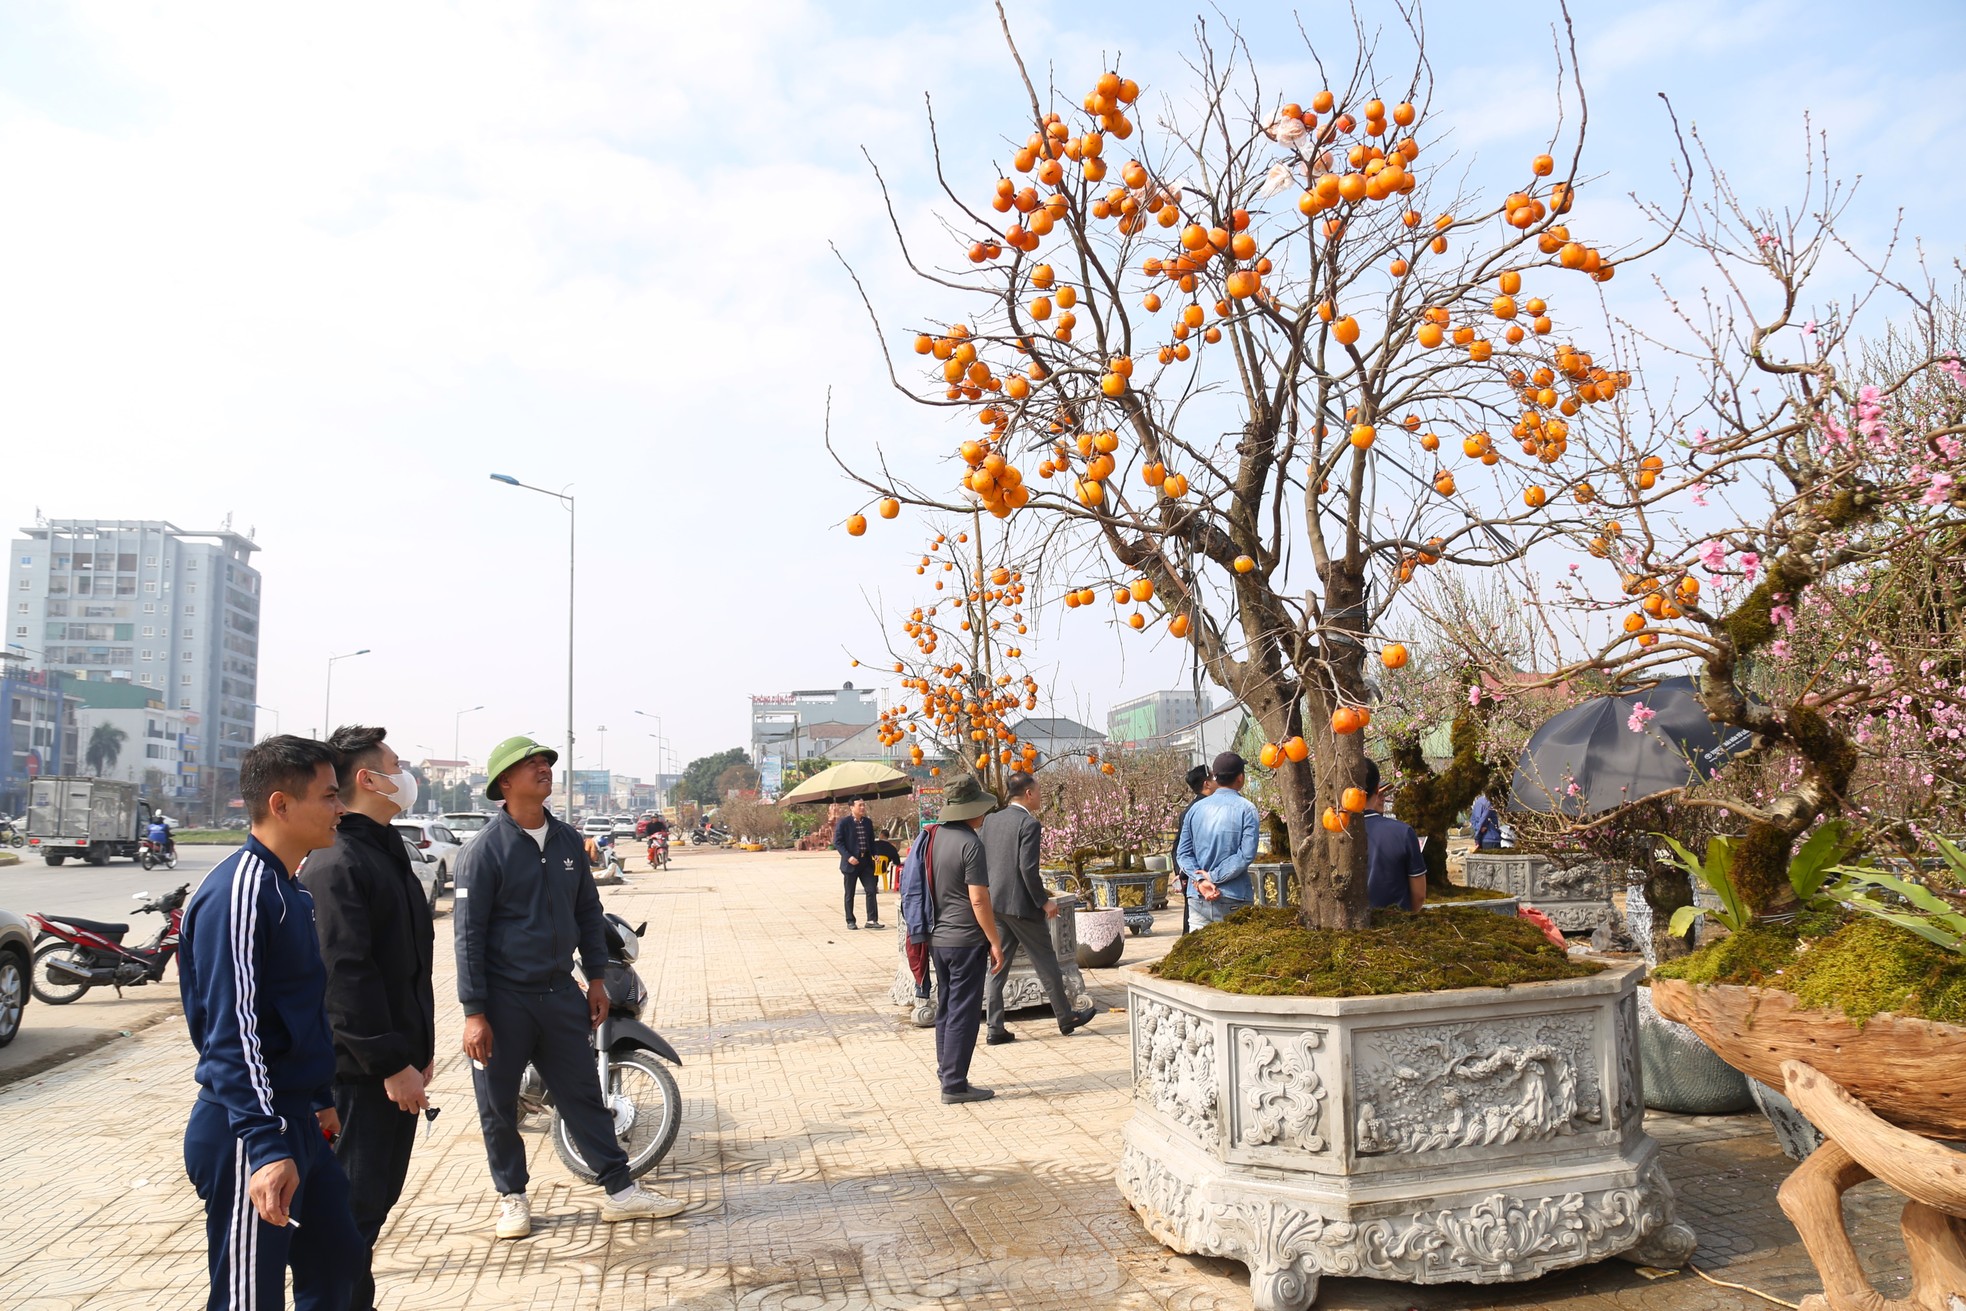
(145, 603)
(127, 732)
(41, 736)
(783, 725)
(1157, 719)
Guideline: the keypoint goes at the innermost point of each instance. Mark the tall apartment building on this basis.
(147, 603)
(1157, 719)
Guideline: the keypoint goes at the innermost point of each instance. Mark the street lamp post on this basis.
(275, 714)
(457, 728)
(327, 699)
(601, 762)
(564, 499)
(662, 742)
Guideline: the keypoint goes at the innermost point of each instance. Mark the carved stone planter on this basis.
(1273, 883)
(1023, 988)
(1577, 898)
(1481, 1135)
(1138, 894)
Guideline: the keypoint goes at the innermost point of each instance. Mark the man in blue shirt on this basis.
(1218, 845)
(1486, 825)
(1396, 871)
(255, 999)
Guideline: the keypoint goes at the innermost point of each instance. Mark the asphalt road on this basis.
(101, 892)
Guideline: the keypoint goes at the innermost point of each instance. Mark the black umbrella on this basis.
(1615, 749)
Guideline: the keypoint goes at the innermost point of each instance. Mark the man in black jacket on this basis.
(525, 902)
(853, 838)
(376, 937)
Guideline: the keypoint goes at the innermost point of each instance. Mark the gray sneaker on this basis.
(640, 1204)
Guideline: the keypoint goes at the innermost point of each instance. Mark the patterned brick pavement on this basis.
(820, 1167)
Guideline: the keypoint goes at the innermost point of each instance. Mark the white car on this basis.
(466, 824)
(425, 866)
(624, 826)
(597, 826)
(434, 836)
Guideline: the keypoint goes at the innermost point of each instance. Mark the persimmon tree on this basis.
(961, 661)
(1272, 360)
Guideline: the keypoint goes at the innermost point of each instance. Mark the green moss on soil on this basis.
(1460, 892)
(1263, 951)
(1859, 965)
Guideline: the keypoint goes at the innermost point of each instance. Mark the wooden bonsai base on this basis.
(1860, 1146)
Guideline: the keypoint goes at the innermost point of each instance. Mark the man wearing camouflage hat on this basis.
(525, 903)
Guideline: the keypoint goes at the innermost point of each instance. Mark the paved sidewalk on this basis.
(821, 1169)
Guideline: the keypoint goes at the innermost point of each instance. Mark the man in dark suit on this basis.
(1022, 906)
(853, 838)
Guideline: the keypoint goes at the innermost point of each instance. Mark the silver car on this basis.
(16, 964)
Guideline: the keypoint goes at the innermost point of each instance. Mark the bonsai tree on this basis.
(1796, 536)
(1118, 807)
(1237, 347)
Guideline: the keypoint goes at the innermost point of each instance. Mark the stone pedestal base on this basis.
(1022, 989)
(1577, 898)
(1478, 1135)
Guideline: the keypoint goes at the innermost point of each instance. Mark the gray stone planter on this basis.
(1577, 898)
(1481, 1135)
(1494, 905)
(1021, 989)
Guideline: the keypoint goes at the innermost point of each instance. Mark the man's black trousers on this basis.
(549, 1031)
(374, 1150)
(863, 874)
(959, 975)
(1034, 936)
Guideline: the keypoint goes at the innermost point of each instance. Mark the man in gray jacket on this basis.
(525, 903)
(1023, 907)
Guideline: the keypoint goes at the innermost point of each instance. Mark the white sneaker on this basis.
(639, 1203)
(514, 1216)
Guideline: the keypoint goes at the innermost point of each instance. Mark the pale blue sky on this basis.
(325, 269)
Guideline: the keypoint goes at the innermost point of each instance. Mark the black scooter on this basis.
(640, 1093)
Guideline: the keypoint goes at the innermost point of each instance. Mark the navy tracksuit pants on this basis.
(550, 1032)
(249, 1258)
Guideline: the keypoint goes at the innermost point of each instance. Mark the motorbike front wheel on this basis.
(56, 992)
(647, 1108)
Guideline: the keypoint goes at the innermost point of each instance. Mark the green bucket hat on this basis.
(965, 799)
(509, 753)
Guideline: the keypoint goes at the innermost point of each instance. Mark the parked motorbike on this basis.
(639, 1092)
(10, 833)
(151, 854)
(73, 955)
(659, 850)
(709, 837)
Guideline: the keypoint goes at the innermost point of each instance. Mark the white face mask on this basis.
(404, 783)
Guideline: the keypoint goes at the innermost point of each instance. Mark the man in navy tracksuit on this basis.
(254, 989)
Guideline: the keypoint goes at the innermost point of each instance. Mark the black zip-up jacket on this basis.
(376, 940)
(522, 912)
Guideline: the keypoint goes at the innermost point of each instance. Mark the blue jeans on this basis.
(1203, 911)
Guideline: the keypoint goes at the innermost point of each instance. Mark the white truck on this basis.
(92, 819)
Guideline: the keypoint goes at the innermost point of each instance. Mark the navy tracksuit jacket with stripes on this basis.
(255, 990)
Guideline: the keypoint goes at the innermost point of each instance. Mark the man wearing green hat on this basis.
(965, 947)
(525, 903)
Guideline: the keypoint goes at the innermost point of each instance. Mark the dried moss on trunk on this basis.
(1432, 803)
(1268, 952)
(1858, 965)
